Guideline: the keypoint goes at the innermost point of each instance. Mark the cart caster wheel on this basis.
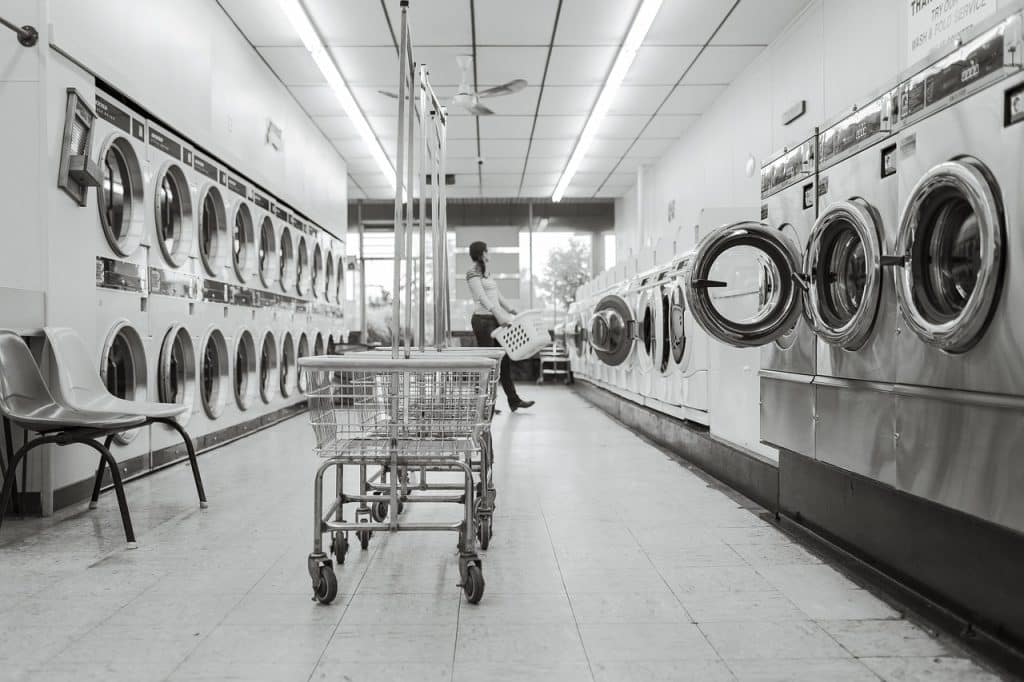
(483, 532)
(339, 547)
(379, 511)
(473, 585)
(364, 537)
(326, 589)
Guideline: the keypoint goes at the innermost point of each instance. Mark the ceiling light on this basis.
(321, 57)
(627, 53)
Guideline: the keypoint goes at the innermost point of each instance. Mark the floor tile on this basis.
(771, 639)
(644, 642)
(627, 607)
(933, 669)
(662, 671)
(519, 671)
(706, 607)
(263, 644)
(257, 608)
(849, 604)
(517, 609)
(717, 579)
(775, 554)
(867, 638)
(801, 670)
(400, 643)
(240, 671)
(496, 643)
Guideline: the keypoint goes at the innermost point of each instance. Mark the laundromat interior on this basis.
(563, 340)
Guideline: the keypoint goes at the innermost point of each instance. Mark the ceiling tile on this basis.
(499, 164)
(660, 64)
(293, 65)
(507, 148)
(608, 147)
(721, 64)
(506, 126)
(496, 65)
(540, 179)
(692, 99)
(350, 23)
(442, 64)
(545, 164)
(501, 179)
(460, 164)
(336, 127)
(522, 103)
(558, 126)
(639, 99)
(670, 125)
(524, 22)
(317, 100)
(461, 128)
(622, 126)
(541, 192)
(373, 103)
(351, 148)
(434, 22)
(758, 22)
(550, 148)
(463, 148)
(580, 65)
(594, 22)
(262, 22)
(689, 22)
(377, 66)
(651, 148)
(568, 99)
(597, 164)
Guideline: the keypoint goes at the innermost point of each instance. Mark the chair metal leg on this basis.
(122, 501)
(9, 483)
(9, 452)
(191, 457)
(98, 483)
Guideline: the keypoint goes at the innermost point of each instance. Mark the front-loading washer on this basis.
(687, 345)
(850, 299)
(960, 386)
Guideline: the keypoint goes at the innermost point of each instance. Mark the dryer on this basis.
(746, 288)
(850, 299)
(613, 336)
(960, 356)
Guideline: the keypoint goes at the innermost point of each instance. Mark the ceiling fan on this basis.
(467, 97)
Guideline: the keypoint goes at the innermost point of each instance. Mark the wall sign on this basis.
(934, 23)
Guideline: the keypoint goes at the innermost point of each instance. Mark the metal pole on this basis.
(396, 319)
(363, 328)
(442, 190)
(424, 130)
(410, 218)
(529, 208)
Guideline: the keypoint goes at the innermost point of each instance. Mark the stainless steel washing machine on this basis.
(960, 346)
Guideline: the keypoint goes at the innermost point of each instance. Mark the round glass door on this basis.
(953, 244)
(665, 362)
(120, 196)
(242, 243)
(268, 367)
(123, 368)
(318, 272)
(677, 324)
(843, 259)
(287, 365)
(213, 374)
(303, 352)
(245, 369)
(612, 330)
(176, 370)
(212, 231)
(267, 254)
(173, 206)
(744, 286)
(286, 260)
(647, 327)
(329, 277)
(302, 273)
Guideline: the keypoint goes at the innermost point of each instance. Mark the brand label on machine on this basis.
(279, 212)
(237, 187)
(164, 144)
(112, 114)
(242, 296)
(261, 201)
(205, 167)
(853, 131)
(119, 275)
(172, 284)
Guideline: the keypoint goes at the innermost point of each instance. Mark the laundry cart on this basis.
(424, 411)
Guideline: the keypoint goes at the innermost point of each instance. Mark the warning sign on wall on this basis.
(934, 23)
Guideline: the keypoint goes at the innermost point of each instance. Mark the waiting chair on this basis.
(80, 387)
(26, 401)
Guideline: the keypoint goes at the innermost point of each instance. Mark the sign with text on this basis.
(934, 23)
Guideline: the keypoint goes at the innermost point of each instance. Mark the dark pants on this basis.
(483, 325)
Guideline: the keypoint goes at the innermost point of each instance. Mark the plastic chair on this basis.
(80, 387)
(26, 401)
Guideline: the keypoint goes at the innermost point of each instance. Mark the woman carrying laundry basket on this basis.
(490, 312)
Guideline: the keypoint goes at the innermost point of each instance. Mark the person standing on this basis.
(490, 312)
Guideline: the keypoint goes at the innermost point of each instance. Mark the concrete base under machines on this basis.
(955, 571)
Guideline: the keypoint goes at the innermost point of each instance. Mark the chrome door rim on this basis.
(126, 331)
(864, 220)
(770, 325)
(188, 372)
(967, 178)
(133, 200)
(681, 360)
(616, 306)
(647, 353)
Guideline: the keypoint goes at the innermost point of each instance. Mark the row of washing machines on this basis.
(883, 282)
(208, 289)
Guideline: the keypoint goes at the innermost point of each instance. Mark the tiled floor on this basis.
(610, 561)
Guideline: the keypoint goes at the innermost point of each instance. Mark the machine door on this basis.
(676, 323)
(665, 360)
(579, 334)
(647, 329)
(612, 330)
(745, 287)
(953, 245)
(844, 264)
(176, 370)
(123, 368)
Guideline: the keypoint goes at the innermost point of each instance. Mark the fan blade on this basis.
(392, 95)
(504, 89)
(479, 110)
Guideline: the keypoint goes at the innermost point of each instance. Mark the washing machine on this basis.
(303, 262)
(686, 346)
(288, 375)
(850, 297)
(650, 384)
(746, 288)
(302, 350)
(613, 337)
(268, 377)
(960, 390)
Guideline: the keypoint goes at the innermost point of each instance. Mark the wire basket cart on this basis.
(367, 409)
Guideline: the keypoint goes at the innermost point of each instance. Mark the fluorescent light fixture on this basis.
(627, 53)
(321, 57)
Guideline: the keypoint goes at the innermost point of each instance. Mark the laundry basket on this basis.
(525, 336)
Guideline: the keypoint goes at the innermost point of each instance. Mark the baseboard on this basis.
(143, 465)
(746, 472)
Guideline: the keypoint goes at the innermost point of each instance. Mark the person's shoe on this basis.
(521, 403)
(497, 411)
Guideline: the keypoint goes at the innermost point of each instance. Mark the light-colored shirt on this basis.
(485, 293)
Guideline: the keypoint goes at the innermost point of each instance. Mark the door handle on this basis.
(893, 261)
(801, 280)
(708, 284)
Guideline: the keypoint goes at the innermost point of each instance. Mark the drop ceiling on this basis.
(693, 51)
